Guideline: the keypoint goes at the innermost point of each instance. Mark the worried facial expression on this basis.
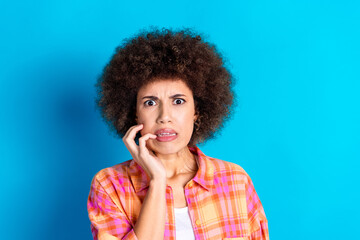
(166, 108)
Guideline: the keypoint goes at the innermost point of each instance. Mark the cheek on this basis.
(147, 125)
(188, 121)
(141, 117)
(145, 129)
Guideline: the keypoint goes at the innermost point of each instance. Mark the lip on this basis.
(166, 135)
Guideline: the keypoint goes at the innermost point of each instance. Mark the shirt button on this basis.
(191, 184)
(197, 222)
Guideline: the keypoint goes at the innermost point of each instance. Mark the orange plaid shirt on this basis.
(221, 198)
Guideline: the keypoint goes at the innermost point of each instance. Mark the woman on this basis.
(164, 92)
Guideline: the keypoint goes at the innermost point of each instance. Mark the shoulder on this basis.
(228, 169)
(222, 165)
(114, 174)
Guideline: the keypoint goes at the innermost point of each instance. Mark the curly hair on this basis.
(165, 53)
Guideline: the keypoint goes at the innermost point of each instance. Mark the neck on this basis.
(178, 163)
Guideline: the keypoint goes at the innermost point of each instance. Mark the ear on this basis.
(196, 116)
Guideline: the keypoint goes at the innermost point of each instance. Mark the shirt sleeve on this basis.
(256, 215)
(108, 220)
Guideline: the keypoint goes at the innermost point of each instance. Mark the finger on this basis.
(142, 142)
(129, 141)
(131, 133)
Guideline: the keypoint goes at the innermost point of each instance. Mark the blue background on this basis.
(295, 130)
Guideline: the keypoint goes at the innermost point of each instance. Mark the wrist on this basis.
(158, 182)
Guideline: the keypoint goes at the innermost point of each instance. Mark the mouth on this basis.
(165, 135)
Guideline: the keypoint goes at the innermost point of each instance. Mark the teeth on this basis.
(166, 134)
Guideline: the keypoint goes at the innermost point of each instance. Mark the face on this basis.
(166, 108)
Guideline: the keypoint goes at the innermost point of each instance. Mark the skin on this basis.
(164, 103)
(174, 108)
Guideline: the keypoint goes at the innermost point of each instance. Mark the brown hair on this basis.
(166, 54)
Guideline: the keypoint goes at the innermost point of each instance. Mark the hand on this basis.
(145, 158)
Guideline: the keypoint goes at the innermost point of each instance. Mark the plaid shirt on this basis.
(221, 198)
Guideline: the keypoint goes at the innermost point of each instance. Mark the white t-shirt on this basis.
(184, 230)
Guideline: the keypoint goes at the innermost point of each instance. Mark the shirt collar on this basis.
(204, 175)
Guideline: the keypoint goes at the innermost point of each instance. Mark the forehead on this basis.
(165, 87)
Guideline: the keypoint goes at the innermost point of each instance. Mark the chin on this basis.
(165, 148)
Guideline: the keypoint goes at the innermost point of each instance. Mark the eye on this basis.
(179, 101)
(150, 103)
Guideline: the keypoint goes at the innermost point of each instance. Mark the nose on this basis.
(164, 114)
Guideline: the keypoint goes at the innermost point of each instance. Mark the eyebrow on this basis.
(173, 96)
